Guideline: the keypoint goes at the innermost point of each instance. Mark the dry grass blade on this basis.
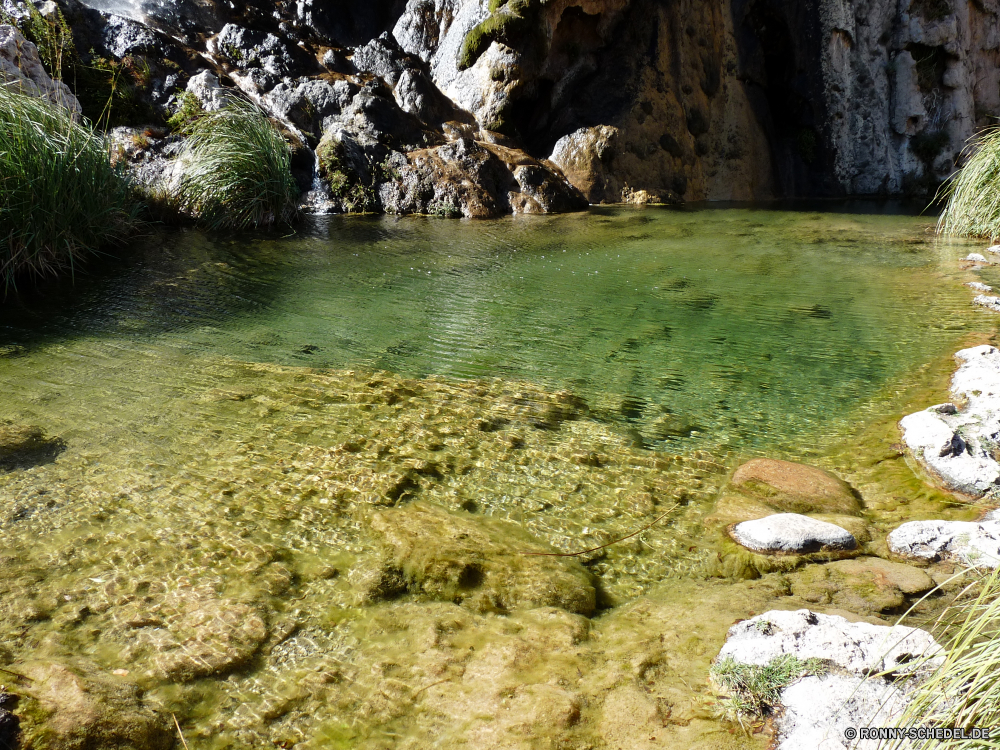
(179, 732)
(964, 691)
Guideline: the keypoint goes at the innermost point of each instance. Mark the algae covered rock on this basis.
(864, 585)
(795, 487)
(193, 635)
(792, 533)
(76, 707)
(484, 564)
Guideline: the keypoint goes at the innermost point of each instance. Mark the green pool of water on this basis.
(231, 412)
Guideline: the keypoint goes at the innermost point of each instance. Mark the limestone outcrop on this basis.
(21, 70)
(630, 100)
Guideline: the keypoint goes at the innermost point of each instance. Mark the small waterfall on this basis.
(129, 8)
(319, 199)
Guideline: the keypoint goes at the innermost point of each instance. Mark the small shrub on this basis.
(61, 199)
(973, 194)
(189, 109)
(444, 209)
(235, 170)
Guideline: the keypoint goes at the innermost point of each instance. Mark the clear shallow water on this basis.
(739, 329)
(226, 441)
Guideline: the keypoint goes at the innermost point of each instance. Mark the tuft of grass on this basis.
(189, 109)
(61, 198)
(973, 194)
(964, 691)
(235, 170)
(754, 689)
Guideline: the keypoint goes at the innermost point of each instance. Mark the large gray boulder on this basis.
(21, 70)
(957, 443)
(792, 533)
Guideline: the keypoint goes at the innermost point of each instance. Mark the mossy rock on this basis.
(514, 23)
(795, 488)
(484, 564)
(865, 585)
(75, 707)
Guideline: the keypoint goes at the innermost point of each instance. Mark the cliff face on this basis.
(651, 100)
(741, 99)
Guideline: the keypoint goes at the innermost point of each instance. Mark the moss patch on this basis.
(514, 24)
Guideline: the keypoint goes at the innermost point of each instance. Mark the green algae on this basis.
(207, 521)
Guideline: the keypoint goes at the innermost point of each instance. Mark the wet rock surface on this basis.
(976, 544)
(79, 707)
(866, 585)
(485, 565)
(794, 487)
(792, 533)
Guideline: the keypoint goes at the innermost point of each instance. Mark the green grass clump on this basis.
(753, 689)
(235, 170)
(61, 198)
(964, 691)
(974, 193)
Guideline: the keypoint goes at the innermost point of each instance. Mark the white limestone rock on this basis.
(972, 543)
(958, 444)
(856, 647)
(819, 709)
(873, 666)
(991, 303)
(993, 249)
(206, 87)
(791, 532)
(978, 286)
(21, 70)
(975, 257)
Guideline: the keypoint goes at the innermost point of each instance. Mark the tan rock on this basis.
(795, 487)
(82, 708)
(865, 585)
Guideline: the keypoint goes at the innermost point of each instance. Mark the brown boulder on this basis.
(795, 488)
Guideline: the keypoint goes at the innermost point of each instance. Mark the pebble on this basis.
(979, 286)
(992, 303)
(976, 257)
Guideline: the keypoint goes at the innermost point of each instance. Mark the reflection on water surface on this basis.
(233, 413)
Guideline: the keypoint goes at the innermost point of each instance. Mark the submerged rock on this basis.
(864, 585)
(483, 564)
(795, 487)
(793, 533)
(82, 708)
(26, 445)
(968, 542)
(193, 635)
(958, 444)
(870, 661)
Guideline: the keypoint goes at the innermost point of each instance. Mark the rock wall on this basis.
(644, 100)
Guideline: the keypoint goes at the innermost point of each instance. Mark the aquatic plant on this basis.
(973, 194)
(752, 689)
(963, 691)
(61, 198)
(235, 170)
